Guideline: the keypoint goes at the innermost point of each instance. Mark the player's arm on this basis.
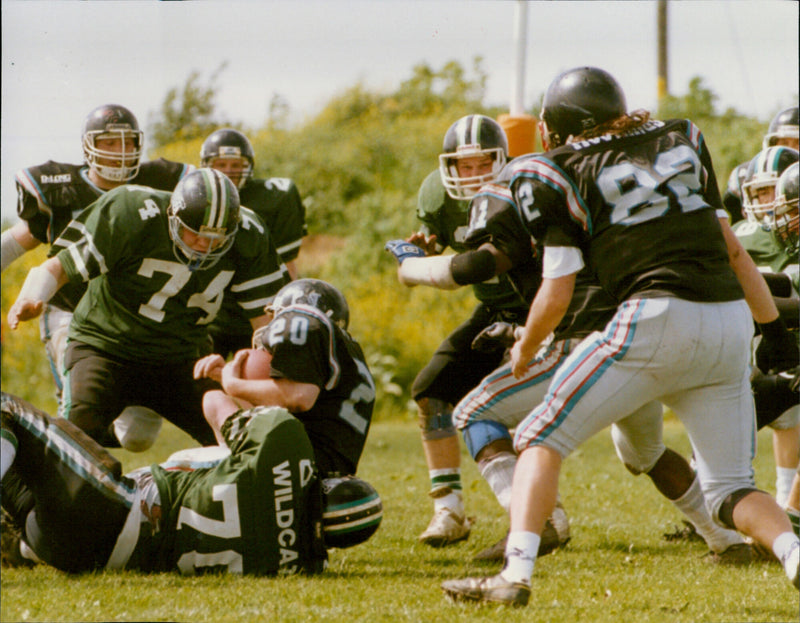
(16, 241)
(447, 272)
(560, 267)
(40, 285)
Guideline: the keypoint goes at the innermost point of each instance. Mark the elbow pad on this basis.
(473, 267)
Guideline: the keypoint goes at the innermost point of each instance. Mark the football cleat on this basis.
(686, 533)
(445, 528)
(494, 589)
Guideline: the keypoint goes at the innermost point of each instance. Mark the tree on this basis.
(189, 113)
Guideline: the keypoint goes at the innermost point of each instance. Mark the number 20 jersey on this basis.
(641, 207)
(308, 348)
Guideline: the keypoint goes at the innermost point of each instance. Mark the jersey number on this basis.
(209, 300)
(226, 528)
(637, 194)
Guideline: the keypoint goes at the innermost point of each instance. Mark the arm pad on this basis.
(473, 267)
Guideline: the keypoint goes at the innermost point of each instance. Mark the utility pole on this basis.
(663, 69)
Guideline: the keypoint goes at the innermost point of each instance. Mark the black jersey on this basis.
(50, 195)
(642, 208)
(494, 218)
(308, 348)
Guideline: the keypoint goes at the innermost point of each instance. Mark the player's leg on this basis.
(453, 370)
(638, 442)
(218, 407)
(81, 499)
(715, 404)
(486, 414)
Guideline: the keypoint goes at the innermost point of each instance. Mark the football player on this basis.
(681, 333)
(317, 372)
(157, 266)
(262, 510)
(50, 195)
(475, 150)
(276, 200)
(758, 186)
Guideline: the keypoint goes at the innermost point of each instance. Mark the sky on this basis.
(61, 59)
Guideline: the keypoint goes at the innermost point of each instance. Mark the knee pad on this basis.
(435, 419)
(725, 512)
(478, 435)
(137, 427)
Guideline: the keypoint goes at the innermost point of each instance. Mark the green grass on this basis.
(616, 568)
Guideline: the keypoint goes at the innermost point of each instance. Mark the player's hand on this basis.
(233, 369)
(426, 243)
(23, 309)
(403, 250)
(521, 354)
(209, 367)
(497, 336)
(777, 351)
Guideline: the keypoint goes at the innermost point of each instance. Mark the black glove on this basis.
(497, 336)
(778, 349)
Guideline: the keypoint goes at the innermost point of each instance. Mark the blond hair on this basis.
(619, 125)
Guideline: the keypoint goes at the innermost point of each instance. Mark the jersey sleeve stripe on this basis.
(82, 250)
(256, 283)
(28, 182)
(289, 247)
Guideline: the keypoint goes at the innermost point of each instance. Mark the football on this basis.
(256, 365)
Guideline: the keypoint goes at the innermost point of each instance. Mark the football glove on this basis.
(497, 336)
(403, 250)
(778, 349)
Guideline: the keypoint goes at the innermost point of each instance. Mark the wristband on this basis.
(40, 285)
(428, 271)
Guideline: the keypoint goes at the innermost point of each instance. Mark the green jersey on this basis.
(767, 252)
(142, 304)
(258, 511)
(448, 220)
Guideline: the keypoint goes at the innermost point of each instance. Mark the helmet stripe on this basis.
(475, 131)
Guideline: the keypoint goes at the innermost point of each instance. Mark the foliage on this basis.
(189, 113)
(617, 567)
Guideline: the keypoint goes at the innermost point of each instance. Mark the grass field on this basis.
(616, 568)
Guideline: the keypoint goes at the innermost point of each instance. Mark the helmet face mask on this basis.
(758, 187)
(113, 122)
(232, 146)
(352, 511)
(203, 218)
(578, 100)
(474, 153)
(785, 218)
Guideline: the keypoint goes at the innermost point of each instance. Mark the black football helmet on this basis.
(736, 178)
(352, 511)
(471, 136)
(763, 172)
(112, 121)
(785, 216)
(783, 125)
(314, 293)
(228, 143)
(205, 203)
(577, 100)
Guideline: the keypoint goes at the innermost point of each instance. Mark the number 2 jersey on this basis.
(142, 304)
(308, 348)
(640, 206)
(50, 195)
(258, 511)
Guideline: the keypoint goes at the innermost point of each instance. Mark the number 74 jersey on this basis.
(142, 304)
(642, 207)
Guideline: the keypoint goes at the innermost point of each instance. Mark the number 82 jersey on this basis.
(642, 207)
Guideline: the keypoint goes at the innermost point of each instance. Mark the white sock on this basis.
(521, 551)
(8, 450)
(783, 484)
(499, 474)
(446, 489)
(693, 505)
(787, 549)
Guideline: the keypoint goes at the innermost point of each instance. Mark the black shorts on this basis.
(455, 367)
(100, 386)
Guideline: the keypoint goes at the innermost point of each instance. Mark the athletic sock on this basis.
(521, 551)
(692, 504)
(446, 489)
(499, 474)
(784, 476)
